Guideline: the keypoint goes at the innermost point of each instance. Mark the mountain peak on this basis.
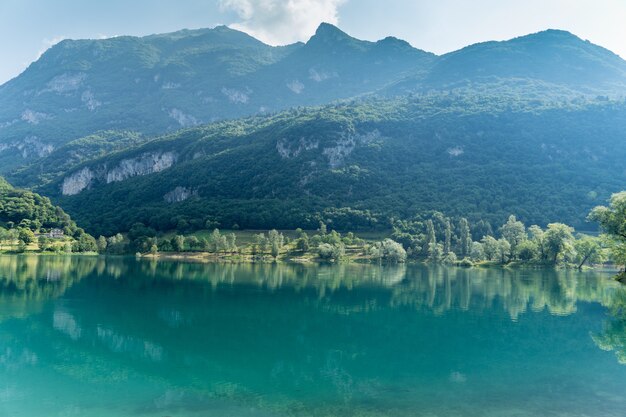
(329, 33)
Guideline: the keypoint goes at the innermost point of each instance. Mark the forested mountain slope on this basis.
(161, 83)
(358, 164)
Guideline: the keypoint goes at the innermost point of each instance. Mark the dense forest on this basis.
(25, 215)
(360, 165)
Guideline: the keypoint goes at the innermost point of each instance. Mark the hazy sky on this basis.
(29, 27)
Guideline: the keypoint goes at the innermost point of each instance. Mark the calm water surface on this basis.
(120, 337)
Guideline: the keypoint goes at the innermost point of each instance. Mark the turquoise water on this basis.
(120, 337)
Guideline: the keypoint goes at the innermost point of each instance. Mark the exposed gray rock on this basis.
(179, 194)
(288, 150)
(65, 83)
(145, 164)
(77, 182)
(345, 145)
(34, 117)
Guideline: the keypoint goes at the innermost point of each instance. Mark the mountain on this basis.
(116, 130)
(552, 60)
(358, 164)
(162, 83)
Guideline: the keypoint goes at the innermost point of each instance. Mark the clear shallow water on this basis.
(120, 337)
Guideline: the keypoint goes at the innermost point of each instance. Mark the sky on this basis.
(29, 27)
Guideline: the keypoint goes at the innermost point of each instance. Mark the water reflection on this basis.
(613, 336)
(439, 289)
(172, 338)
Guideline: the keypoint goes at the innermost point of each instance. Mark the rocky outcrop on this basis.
(290, 150)
(179, 194)
(345, 145)
(145, 164)
(77, 182)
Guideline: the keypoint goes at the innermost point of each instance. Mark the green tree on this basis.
(465, 238)
(102, 244)
(490, 247)
(538, 237)
(447, 233)
(302, 244)
(612, 220)
(178, 243)
(503, 250)
(276, 241)
(559, 240)
(588, 250)
(26, 235)
(514, 232)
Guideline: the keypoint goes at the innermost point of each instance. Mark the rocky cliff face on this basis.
(144, 164)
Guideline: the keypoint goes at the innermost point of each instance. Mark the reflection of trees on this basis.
(613, 336)
(517, 291)
(228, 329)
(27, 281)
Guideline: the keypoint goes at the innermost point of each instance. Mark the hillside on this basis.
(25, 209)
(358, 164)
(162, 83)
(532, 126)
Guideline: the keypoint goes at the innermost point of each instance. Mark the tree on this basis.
(503, 250)
(43, 243)
(538, 237)
(465, 238)
(276, 241)
(612, 220)
(431, 238)
(527, 250)
(588, 250)
(514, 232)
(193, 242)
(477, 253)
(85, 243)
(435, 252)
(102, 244)
(302, 244)
(231, 242)
(178, 243)
(21, 246)
(389, 251)
(26, 235)
(447, 232)
(558, 239)
(329, 252)
(490, 247)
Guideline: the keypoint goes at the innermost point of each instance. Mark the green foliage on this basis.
(388, 251)
(331, 252)
(235, 172)
(612, 220)
(31, 211)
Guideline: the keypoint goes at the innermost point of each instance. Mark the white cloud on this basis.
(279, 22)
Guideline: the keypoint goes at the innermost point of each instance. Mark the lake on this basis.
(94, 336)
